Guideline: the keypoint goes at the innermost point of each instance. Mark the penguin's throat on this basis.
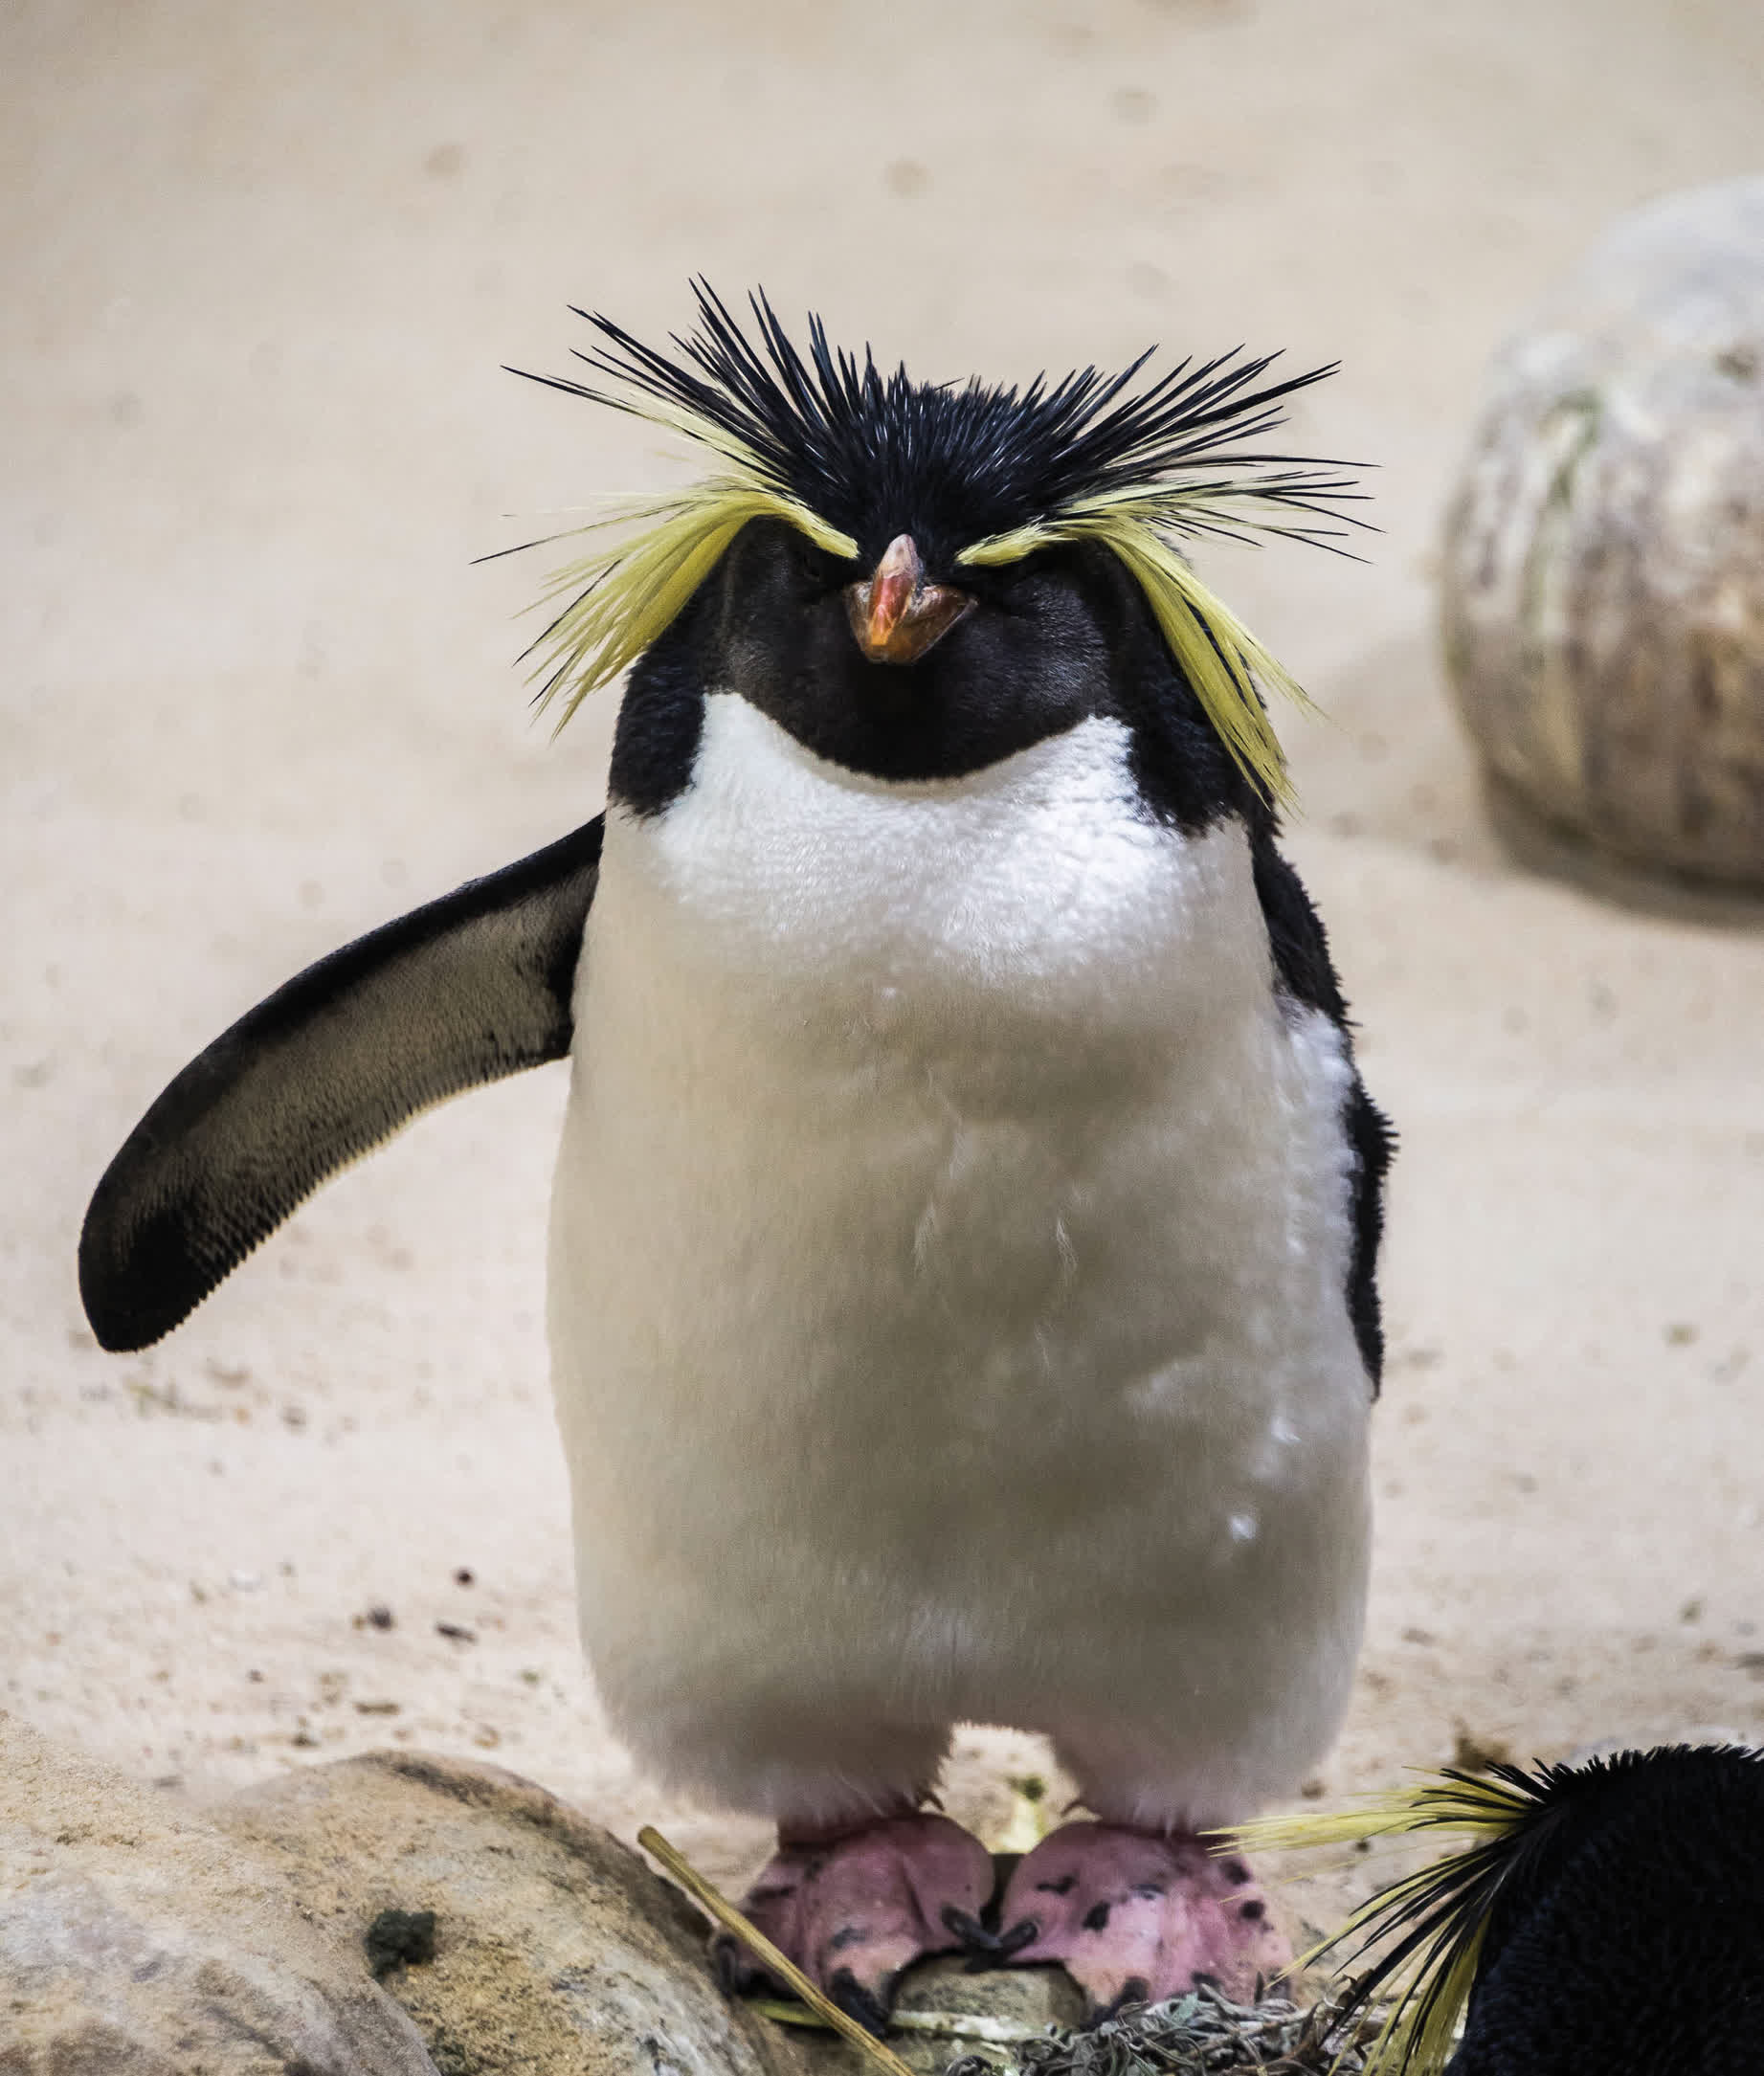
(1038, 889)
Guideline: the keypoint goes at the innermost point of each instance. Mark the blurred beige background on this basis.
(261, 268)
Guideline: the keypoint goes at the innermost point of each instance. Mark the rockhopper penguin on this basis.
(962, 1298)
(1605, 1919)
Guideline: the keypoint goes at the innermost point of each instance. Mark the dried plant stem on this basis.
(956, 2024)
(757, 1944)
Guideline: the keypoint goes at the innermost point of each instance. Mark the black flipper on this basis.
(469, 988)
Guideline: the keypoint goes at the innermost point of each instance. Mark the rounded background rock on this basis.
(1603, 580)
(136, 1939)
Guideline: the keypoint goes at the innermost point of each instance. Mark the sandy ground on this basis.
(262, 267)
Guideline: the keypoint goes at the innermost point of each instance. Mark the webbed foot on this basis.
(853, 1912)
(1137, 1916)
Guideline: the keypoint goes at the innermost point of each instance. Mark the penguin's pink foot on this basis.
(853, 1910)
(1136, 1916)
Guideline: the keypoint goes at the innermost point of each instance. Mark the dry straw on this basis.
(757, 1944)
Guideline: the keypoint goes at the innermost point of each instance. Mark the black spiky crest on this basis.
(874, 454)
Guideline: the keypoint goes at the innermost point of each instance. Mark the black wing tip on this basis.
(120, 1330)
(138, 1279)
(123, 1324)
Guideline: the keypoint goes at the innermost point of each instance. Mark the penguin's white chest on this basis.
(948, 1261)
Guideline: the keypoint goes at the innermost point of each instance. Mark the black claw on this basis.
(1133, 1991)
(976, 1941)
(869, 2007)
(1024, 1933)
(987, 1950)
(734, 1968)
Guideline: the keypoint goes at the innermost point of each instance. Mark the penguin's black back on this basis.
(1628, 1939)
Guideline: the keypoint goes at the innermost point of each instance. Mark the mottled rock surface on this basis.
(557, 1952)
(136, 1940)
(1603, 580)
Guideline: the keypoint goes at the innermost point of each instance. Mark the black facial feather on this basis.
(876, 456)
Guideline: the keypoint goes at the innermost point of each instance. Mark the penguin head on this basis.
(916, 579)
(1604, 1917)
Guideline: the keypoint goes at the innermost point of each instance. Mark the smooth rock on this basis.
(1028, 1999)
(1603, 576)
(137, 1940)
(557, 1952)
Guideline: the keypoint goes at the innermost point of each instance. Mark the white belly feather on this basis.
(948, 1259)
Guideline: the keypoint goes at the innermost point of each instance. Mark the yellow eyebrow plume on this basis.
(1221, 657)
(624, 598)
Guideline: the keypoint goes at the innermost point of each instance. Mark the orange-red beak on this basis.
(897, 616)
